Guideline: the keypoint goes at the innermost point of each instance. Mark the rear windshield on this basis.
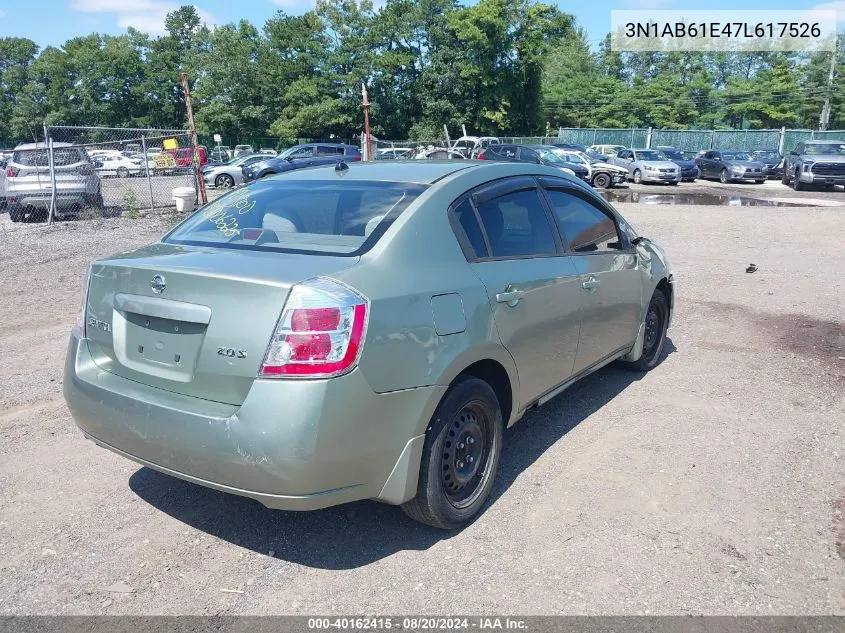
(38, 157)
(311, 216)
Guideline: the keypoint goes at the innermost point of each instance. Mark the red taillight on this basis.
(11, 172)
(356, 157)
(481, 156)
(320, 333)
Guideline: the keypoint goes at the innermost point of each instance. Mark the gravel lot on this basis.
(713, 485)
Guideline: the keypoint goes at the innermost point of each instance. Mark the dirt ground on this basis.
(713, 485)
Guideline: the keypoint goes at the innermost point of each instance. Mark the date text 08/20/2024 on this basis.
(408, 623)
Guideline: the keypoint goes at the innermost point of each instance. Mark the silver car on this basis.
(29, 187)
(647, 165)
(230, 174)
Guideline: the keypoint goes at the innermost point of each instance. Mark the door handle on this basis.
(590, 284)
(511, 297)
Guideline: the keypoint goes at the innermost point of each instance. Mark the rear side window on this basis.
(587, 228)
(310, 216)
(516, 225)
(326, 150)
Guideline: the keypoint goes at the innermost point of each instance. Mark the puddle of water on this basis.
(621, 195)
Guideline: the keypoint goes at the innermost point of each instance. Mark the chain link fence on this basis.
(693, 141)
(88, 172)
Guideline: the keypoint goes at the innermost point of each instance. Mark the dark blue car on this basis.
(301, 156)
(541, 154)
(689, 170)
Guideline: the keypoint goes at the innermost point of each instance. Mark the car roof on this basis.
(418, 171)
(41, 145)
(823, 142)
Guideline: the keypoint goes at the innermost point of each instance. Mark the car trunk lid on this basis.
(192, 320)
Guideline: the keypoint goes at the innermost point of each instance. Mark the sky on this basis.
(52, 22)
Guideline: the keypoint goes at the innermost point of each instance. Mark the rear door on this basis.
(608, 270)
(533, 289)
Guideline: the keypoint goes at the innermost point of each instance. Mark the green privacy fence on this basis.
(693, 141)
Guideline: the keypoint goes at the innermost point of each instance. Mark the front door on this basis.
(610, 279)
(533, 288)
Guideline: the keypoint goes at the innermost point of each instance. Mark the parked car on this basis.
(393, 153)
(231, 174)
(274, 346)
(29, 187)
(537, 154)
(243, 150)
(689, 170)
(219, 155)
(647, 165)
(300, 156)
(606, 150)
(118, 165)
(772, 160)
(815, 163)
(438, 153)
(266, 151)
(603, 174)
(730, 166)
(184, 156)
(471, 146)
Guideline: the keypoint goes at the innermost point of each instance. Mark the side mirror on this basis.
(638, 240)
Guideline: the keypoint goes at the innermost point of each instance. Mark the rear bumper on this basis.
(42, 199)
(292, 444)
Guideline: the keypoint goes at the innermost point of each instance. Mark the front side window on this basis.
(325, 217)
(516, 225)
(586, 227)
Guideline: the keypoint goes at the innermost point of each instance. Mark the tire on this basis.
(224, 181)
(16, 215)
(455, 483)
(638, 176)
(759, 182)
(656, 323)
(602, 180)
(797, 185)
(96, 200)
(122, 172)
(784, 178)
(674, 183)
(723, 177)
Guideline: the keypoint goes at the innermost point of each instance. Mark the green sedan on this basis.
(364, 331)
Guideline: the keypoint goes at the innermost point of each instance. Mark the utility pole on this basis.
(366, 104)
(193, 129)
(824, 119)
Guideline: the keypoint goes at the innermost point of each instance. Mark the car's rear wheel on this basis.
(601, 180)
(638, 176)
(16, 215)
(224, 181)
(460, 456)
(796, 182)
(759, 182)
(723, 176)
(655, 324)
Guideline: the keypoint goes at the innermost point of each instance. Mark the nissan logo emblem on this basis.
(158, 284)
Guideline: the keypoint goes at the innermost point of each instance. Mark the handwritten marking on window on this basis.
(221, 212)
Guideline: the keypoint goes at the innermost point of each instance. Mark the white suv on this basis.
(29, 187)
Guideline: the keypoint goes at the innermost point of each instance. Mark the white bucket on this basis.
(184, 198)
